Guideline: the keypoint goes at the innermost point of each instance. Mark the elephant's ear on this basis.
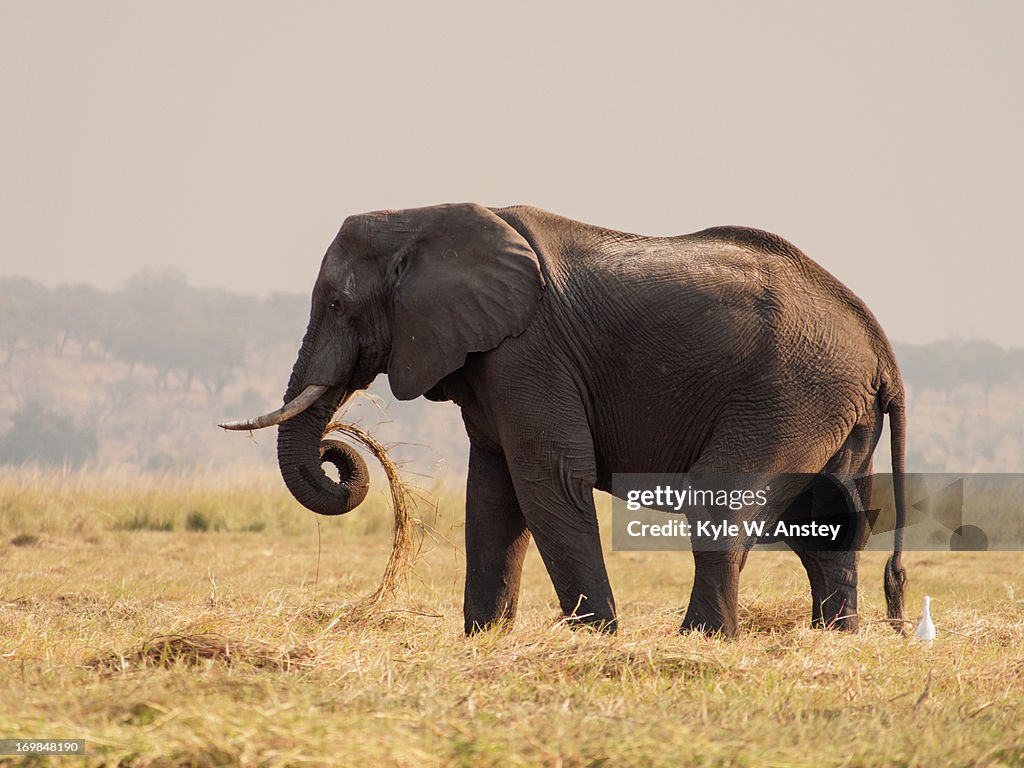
(469, 282)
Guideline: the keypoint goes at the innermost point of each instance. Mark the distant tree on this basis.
(39, 435)
(81, 313)
(148, 329)
(27, 315)
(280, 318)
(216, 339)
(1017, 364)
(943, 365)
(197, 334)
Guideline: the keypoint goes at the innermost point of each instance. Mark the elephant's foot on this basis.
(833, 578)
(488, 615)
(843, 623)
(711, 627)
(714, 599)
(713, 615)
(837, 612)
(594, 614)
(476, 626)
(606, 626)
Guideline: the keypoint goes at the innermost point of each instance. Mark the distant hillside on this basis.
(152, 368)
(140, 376)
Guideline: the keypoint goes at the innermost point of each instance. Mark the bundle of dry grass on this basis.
(403, 550)
(774, 615)
(167, 651)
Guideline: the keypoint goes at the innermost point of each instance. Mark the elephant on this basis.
(575, 352)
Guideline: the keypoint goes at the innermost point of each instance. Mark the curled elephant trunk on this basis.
(301, 454)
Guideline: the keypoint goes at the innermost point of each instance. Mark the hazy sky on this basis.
(230, 139)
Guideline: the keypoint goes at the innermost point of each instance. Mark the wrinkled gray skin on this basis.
(575, 352)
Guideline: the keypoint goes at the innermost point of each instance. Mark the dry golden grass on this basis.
(183, 623)
(403, 549)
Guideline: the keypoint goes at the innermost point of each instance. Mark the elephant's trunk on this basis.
(300, 457)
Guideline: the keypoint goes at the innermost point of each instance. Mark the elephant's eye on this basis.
(336, 305)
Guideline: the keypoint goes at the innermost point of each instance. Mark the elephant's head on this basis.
(409, 293)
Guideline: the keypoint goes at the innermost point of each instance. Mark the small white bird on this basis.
(926, 628)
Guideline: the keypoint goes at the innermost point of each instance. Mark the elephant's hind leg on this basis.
(714, 599)
(833, 578)
(833, 573)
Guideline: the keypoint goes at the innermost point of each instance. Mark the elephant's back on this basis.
(757, 240)
(793, 280)
(769, 299)
(817, 313)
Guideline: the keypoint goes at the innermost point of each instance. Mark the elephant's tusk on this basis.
(294, 407)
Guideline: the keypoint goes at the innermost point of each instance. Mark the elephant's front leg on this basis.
(496, 542)
(555, 485)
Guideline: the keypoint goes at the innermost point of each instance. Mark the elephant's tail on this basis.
(895, 573)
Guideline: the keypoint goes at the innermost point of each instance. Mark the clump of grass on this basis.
(169, 651)
(774, 615)
(25, 540)
(614, 664)
(201, 521)
(144, 520)
(197, 521)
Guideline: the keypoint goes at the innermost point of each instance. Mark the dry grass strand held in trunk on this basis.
(403, 553)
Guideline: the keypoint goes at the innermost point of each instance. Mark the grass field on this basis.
(183, 622)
